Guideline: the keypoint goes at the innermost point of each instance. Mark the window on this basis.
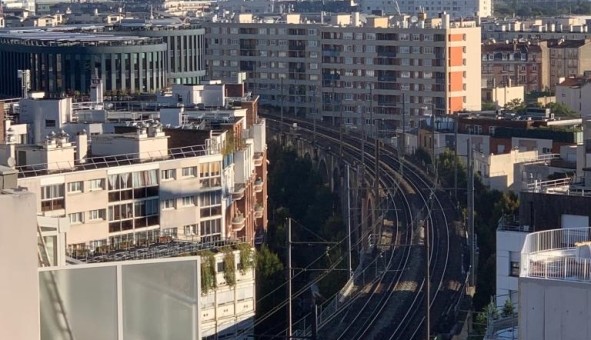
(172, 232)
(168, 204)
(96, 184)
(210, 175)
(167, 174)
(514, 269)
(190, 230)
(189, 171)
(96, 215)
(76, 218)
(75, 186)
(210, 203)
(188, 201)
(49, 123)
(210, 230)
(52, 197)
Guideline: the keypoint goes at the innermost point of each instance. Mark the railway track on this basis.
(392, 306)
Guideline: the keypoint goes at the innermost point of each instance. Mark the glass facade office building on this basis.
(186, 45)
(65, 62)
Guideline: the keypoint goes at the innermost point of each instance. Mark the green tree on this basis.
(269, 276)
(561, 110)
(508, 309)
(515, 105)
(489, 106)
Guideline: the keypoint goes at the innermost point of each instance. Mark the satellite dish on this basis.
(414, 19)
(11, 162)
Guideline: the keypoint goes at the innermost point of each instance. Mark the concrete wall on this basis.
(554, 310)
(509, 244)
(19, 286)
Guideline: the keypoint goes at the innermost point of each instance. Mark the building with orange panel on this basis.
(343, 70)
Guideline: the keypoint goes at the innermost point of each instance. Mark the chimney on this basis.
(81, 147)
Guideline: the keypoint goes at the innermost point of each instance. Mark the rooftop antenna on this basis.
(151, 13)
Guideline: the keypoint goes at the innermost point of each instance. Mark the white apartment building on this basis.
(456, 9)
(555, 284)
(203, 181)
(563, 27)
(575, 92)
(351, 70)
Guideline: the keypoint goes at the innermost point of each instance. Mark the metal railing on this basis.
(543, 186)
(560, 254)
(155, 250)
(32, 170)
(546, 157)
(511, 223)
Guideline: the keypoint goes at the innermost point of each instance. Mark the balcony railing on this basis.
(238, 192)
(258, 185)
(238, 222)
(560, 254)
(258, 158)
(258, 211)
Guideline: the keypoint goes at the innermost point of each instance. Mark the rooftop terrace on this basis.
(113, 161)
(559, 254)
(562, 186)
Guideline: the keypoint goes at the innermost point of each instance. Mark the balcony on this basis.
(238, 192)
(258, 185)
(238, 222)
(560, 254)
(258, 210)
(258, 158)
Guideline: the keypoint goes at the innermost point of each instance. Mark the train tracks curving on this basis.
(392, 306)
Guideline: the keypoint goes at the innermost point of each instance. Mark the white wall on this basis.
(19, 285)
(508, 243)
(35, 112)
(554, 309)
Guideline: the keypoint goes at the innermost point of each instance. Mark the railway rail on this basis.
(392, 306)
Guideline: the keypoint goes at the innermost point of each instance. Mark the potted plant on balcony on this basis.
(258, 207)
(208, 279)
(246, 260)
(238, 218)
(229, 266)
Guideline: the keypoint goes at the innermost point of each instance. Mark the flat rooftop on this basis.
(53, 38)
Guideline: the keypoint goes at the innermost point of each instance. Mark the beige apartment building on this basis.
(568, 58)
(151, 182)
(349, 71)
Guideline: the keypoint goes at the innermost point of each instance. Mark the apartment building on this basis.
(563, 27)
(575, 93)
(545, 204)
(346, 71)
(201, 179)
(457, 9)
(568, 58)
(515, 63)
